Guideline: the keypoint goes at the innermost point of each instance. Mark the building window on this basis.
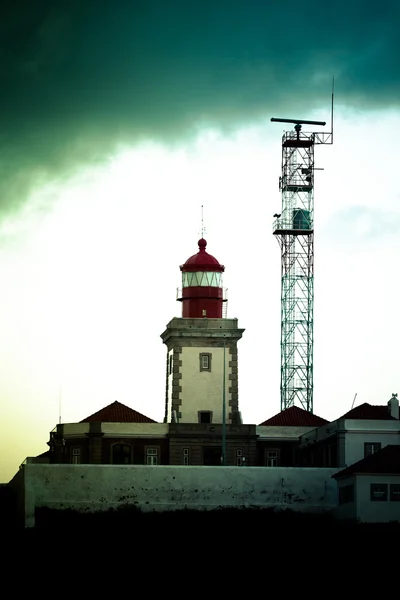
(346, 494)
(121, 454)
(371, 448)
(76, 456)
(205, 416)
(151, 456)
(379, 491)
(170, 363)
(272, 458)
(186, 456)
(395, 492)
(205, 361)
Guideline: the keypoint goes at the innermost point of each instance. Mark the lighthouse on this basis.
(202, 356)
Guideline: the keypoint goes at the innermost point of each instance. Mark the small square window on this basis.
(395, 492)
(205, 361)
(371, 448)
(379, 492)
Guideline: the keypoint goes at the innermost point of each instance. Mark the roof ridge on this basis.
(117, 412)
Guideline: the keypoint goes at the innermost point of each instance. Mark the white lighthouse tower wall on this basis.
(196, 348)
(169, 386)
(202, 390)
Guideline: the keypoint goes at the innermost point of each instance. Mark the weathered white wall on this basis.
(358, 432)
(77, 429)
(134, 429)
(369, 511)
(100, 487)
(202, 390)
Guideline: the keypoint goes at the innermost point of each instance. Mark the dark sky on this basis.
(77, 76)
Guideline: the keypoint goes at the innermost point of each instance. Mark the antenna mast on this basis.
(59, 404)
(203, 229)
(294, 230)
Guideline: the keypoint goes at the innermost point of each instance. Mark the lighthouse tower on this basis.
(202, 358)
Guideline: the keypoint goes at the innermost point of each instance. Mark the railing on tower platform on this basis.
(225, 303)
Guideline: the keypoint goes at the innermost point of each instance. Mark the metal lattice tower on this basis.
(294, 229)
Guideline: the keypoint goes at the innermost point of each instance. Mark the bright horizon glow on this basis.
(90, 267)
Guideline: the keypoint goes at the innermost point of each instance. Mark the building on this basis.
(115, 435)
(369, 490)
(362, 431)
(202, 353)
(278, 437)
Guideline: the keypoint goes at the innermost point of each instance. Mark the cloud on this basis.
(361, 224)
(80, 78)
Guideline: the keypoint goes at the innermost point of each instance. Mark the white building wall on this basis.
(359, 432)
(101, 487)
(373, 511)
(202, 390)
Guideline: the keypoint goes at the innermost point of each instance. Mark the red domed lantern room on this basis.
(202, 292)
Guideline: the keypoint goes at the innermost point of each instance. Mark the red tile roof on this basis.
(295, 417)
(386, 461)
(118, 413)
(368, 411)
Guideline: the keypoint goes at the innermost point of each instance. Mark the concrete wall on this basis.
(101, 487)
(202, 390)
(370, 511)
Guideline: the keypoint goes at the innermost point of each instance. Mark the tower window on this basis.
(205, 416)
(205, 361)
(170, 364)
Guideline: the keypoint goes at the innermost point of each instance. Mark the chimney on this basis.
(393, 406)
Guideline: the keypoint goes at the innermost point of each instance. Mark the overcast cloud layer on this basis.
(79, 77)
